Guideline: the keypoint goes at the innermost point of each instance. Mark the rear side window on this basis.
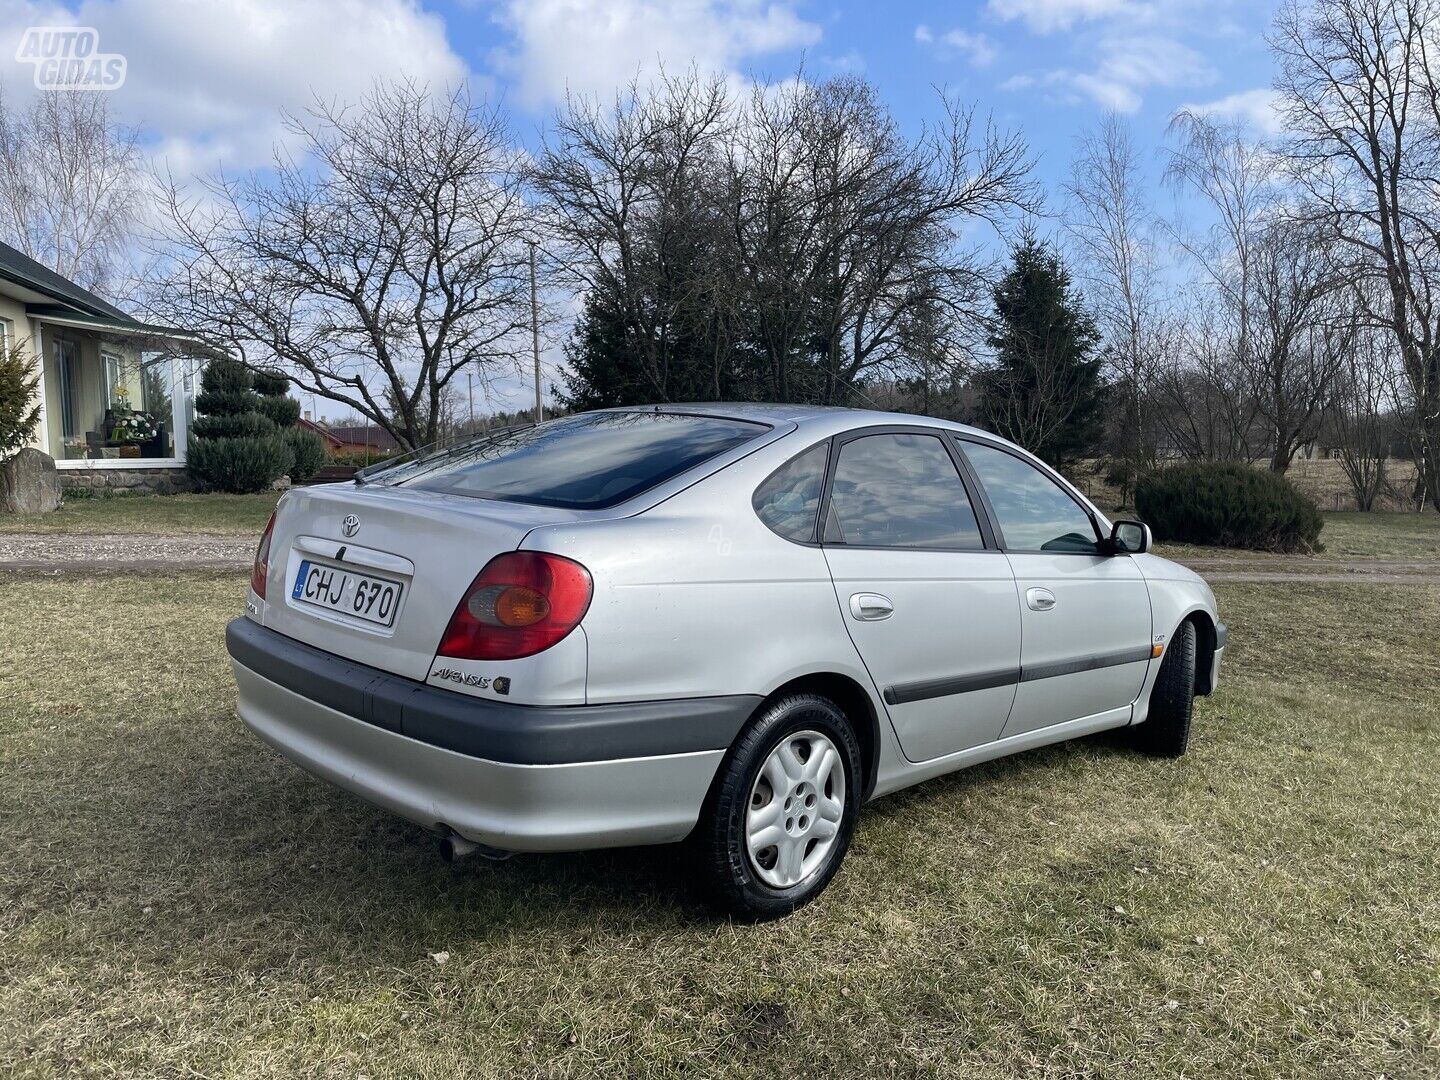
(1033, 511)
(581, 462)
(899, 490)
(789, 499)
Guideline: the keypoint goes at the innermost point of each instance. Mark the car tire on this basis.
(794, 776)
(1166, 730)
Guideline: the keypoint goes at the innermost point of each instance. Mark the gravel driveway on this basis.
(125, 553)
(50, 554)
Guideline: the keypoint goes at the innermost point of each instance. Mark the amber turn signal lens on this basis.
(1156, 651)
(519, 606)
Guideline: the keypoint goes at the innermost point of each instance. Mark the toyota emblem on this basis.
(351, 525)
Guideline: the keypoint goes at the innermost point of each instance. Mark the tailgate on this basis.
(419, 550)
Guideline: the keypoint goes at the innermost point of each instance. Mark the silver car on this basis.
(729, 623)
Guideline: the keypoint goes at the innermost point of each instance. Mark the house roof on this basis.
(365, 435)
(73, 304)
(321, 430)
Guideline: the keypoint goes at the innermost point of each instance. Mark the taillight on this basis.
(520, 604)
(261, 570)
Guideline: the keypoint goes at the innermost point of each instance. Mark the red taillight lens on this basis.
(520, 604)
(261, 570)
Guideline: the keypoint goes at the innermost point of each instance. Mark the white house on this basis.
(117, 395)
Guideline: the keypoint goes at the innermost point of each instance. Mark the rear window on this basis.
(584, 462)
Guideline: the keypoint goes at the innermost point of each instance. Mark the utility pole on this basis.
(535, 334)
(470, 385)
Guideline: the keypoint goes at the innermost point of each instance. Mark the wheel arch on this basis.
(1205, 644)
(855, 702)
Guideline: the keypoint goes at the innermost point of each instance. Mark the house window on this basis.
(7, 336)
(67, 363)
(116, 391)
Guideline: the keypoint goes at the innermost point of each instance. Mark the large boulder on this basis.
(28, 484)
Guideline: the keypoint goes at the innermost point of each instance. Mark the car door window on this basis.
(899, 490)
(788, 502)
(1033, 511)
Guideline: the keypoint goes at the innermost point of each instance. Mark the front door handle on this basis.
(871, 607)
(1039, 599)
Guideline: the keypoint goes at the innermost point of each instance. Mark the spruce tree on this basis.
(234, 445)
(1045, 389)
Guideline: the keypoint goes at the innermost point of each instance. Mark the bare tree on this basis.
(1202, 398)
(1359, 413)
(1361, 99)
(625, 197)
(72, 187)
(1115, 233)
(845, 231)
(787, 245)
(375, 269)
(1269, 272)
(1302, 330)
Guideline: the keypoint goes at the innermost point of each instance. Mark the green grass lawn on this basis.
(1384, 534)
(241, 515)
(178, 900)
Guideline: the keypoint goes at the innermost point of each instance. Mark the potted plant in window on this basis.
(131, 431)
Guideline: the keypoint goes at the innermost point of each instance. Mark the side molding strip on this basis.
(985, 680)
(960, 684)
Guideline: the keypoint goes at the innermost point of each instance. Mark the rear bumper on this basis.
(420, 751)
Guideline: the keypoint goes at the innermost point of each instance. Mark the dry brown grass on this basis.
(180, 901)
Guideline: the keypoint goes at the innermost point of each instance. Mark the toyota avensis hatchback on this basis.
(733, 623)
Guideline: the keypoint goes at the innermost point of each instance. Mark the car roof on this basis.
(833, 418)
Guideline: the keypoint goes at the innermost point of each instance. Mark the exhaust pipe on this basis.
(455, 848)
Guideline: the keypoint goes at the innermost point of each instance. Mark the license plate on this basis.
(360, 596)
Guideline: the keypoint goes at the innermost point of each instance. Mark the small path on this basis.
(44, 553)
(1318, 570)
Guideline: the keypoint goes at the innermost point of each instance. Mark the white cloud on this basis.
(1259, 108)
(208, 80)
(1127, 67)
(594, 46)
(977, 48)
(1048, 16)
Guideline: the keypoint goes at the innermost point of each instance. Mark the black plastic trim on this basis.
(1086, 663)
(961, 684)
(1222, 633)
(986, 680)
(495, 730)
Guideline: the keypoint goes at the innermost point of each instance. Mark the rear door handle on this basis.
(871, 607)
(1039, 599)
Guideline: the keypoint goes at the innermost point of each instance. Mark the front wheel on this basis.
(1166, 730)
(783, 808)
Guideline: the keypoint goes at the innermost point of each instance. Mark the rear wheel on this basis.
(1166, 730)
(783, 808)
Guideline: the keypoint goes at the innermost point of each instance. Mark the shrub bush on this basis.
(225, 374)
(1228, 505)
(233, 446)
(269, 384)
(281, 411)
(19, 412)
(241, 466)
(308, 450)
(225, 402)
(246, 425)
(360, 458)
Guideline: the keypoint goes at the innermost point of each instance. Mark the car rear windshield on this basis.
(584, 462)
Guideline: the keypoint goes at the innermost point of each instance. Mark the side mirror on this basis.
(1130, 538)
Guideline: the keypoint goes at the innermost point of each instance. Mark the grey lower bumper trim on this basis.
(494, 730)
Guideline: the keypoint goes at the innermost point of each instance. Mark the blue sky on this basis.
(207, 78)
